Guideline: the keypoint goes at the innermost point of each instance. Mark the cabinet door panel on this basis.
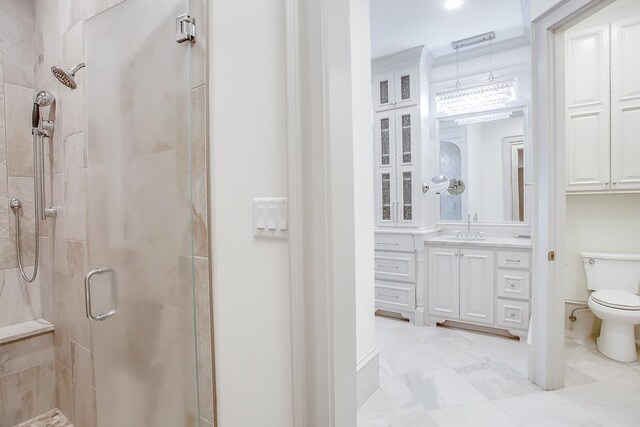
(385, 179)
(625, 104)
(587, 114)
(407, 137)
(383, 91)
(444, 282)
(477, 280)
(406, 87)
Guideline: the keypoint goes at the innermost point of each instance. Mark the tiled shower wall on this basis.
(27, 378)
(60, 31)
(19, 302)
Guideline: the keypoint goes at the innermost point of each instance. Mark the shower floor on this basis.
(53, 418)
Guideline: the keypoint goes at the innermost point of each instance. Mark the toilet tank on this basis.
(619, 272)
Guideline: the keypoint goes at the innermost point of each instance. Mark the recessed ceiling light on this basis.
(453, 4)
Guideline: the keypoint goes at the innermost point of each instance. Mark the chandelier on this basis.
(493, 94)
(484, 97)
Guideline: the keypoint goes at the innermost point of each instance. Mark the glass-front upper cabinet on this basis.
(396, 89)
(396, 137)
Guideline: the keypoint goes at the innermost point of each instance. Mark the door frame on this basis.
(547, 325)
(319, 136)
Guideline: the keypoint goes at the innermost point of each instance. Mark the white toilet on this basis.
(615, 280)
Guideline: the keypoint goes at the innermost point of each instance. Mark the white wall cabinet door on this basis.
(444, 282)
(395, 89)
(407, 124)
(386, 175)
(587, 109)
(406, 87)
(477, 279)
(384, 89)
(625, 104)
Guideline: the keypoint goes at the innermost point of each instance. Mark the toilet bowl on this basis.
(619, 312)
(615, 282)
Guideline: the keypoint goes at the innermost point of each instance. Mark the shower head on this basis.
(66, 77)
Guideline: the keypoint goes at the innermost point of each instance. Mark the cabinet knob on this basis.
(513, 315)
(513, 285)
(606, 183)
(615, 183)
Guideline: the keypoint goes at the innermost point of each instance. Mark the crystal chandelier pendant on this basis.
(493, 95)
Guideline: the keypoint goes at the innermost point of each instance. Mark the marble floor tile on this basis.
(610, 404)
(441, 388)
(496, 380)
(591, 362)
(573, 377)
(546, 409)
(475, 415)
(412, 420)
(413, 358)
(392, 399)
(447, 377)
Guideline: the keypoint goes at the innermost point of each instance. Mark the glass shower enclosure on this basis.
(140, 288)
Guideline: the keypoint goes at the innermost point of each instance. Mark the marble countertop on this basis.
(493, 242)
(415, 231)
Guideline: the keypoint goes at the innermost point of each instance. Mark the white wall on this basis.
(598, 223)
(538, 7)
(248, 159)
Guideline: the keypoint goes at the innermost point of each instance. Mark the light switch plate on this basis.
(270, 217)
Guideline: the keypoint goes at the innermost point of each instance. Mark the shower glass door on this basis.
(140, 231)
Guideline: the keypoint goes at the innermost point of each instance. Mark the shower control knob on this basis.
(51, 212)
(15, 203)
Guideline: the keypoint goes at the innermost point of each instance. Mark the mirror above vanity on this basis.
(486, 151)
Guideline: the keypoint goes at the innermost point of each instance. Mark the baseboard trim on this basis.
(368, 376)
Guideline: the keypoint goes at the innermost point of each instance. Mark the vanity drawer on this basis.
(396, 243)
(513, 259)
(514, 284)
(394, 298)
(395, 266)
(513, 314)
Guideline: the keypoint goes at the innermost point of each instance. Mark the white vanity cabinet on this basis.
(399, 272)
(602, 93)
(461, 284)
(484, 286)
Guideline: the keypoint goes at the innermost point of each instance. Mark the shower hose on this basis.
(16, 211)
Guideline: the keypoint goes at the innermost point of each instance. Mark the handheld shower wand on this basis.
(39, 128)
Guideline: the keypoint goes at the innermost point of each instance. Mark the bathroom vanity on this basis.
(400, 272)
(425, 271)
(481, 282)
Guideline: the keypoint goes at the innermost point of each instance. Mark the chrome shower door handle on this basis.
(87, 295)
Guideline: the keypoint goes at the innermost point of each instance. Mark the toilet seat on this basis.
(621, 300)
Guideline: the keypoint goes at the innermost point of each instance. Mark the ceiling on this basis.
(402, 24)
